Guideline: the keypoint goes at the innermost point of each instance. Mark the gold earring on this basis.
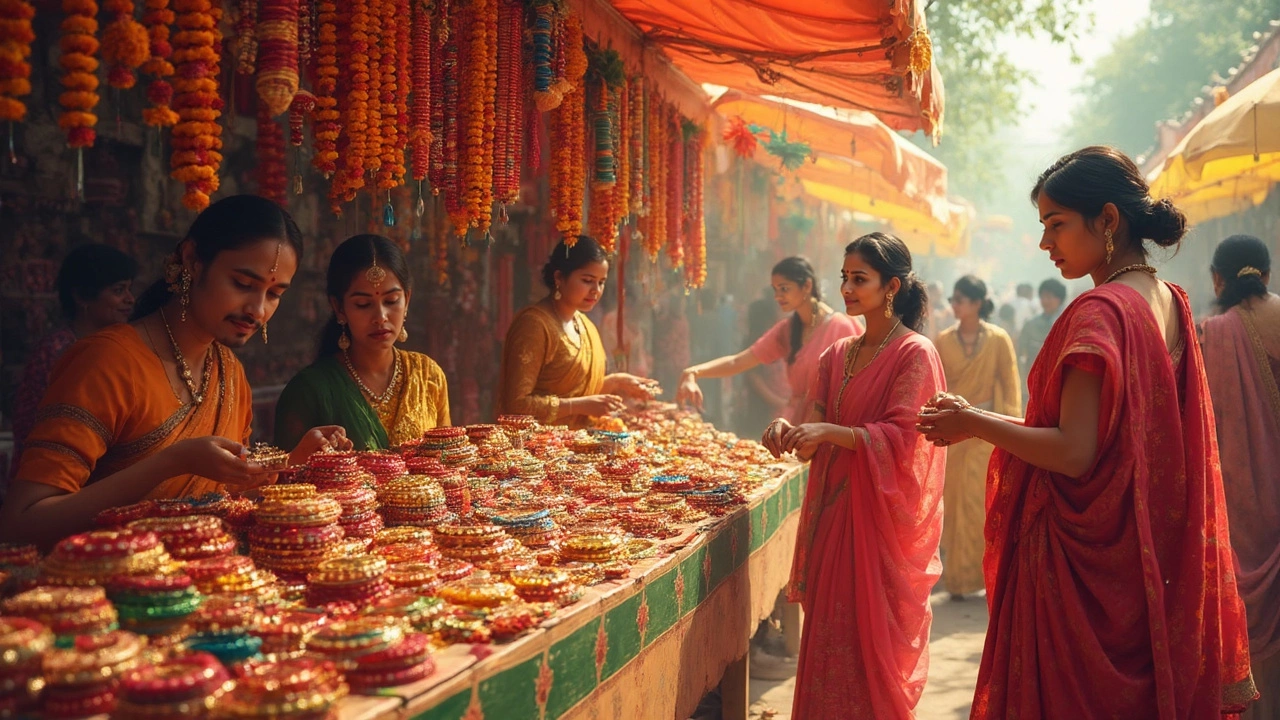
(1111, 246)
(185, 297)
(264, 332)
(344, 342)
(557, 292)
(888, 306)
(813, 321)
(404, 332)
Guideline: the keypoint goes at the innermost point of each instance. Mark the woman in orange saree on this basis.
(1109, 570)
(1242, 362)
(867, 550)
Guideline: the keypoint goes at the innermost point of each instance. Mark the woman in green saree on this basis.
(381, 395)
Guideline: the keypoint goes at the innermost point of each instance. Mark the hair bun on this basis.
(1164, 224)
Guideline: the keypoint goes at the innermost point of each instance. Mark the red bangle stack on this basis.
(188, 685)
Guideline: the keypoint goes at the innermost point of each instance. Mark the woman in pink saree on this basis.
(1242, 361)
(867, 551)
(800, 339)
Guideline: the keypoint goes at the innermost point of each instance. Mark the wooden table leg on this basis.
(792, 625)
(735, 690)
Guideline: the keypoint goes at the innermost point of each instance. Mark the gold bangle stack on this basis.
(67, 611)
(477, 591)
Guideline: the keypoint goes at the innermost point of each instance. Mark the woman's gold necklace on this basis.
(184, 371)
(851, 357)
(375, 398)
(1136, 267)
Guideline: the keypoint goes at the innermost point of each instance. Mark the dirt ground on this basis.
(955, 648)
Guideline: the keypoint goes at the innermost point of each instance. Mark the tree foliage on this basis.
(1154, 72)
(983, 84)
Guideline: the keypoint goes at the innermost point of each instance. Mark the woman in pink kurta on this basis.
(799, 339)
(867, 550)
(1242, 362)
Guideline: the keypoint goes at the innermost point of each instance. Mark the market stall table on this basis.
(649, 646)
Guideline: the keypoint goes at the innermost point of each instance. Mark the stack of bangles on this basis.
(291, 689)
(153, 605)
(533, 527)
(414, 500)
(583, 573)
(233, 576)
(118, 517)
(646, 523)
(81, 680)
(405, 552)
(22, 563)
(23, 643)
(479, 590)
(343, 641)
(223, 628)
(188, 685)
(356, 579)
(360, 518)
(400, 664)
(67, 612)
(190, 537)
(594, 547)
(328, 468)
(473, 541)
(284, 632)
(94, 557)
(457, 493)
(423, 614)
(383, 466)
(271, 458)
(546, 585)
(297, 529)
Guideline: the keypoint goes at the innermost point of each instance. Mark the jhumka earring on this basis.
(404, 332)
(179, 279)
(888, 306)
(1111, 246)
(813, 321)
(264, 333)
(557, 292)
(344, 342)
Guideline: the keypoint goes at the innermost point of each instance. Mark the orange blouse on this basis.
(110, 405)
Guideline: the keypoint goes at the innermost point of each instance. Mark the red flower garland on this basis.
(272, 177)
(509, 133)
(157, 18)
(79, 72)
(674, 203)
(439, 48)
(304, 103)
(125, 45)
(277, 33)
(420, 84)
(16, 37)
(695, 234)
(327, 128)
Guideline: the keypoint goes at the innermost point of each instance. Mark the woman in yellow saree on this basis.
(553, 359)
(980, 364)
(381, 395)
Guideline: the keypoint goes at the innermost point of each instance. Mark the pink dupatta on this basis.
(775, 345)
(867, 551)
(1246, 403)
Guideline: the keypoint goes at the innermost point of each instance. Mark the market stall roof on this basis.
(1230, 160)
(872, 55)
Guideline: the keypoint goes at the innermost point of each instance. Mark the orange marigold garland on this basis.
(125, 45)
(695, 234)
(390, 172)
(656, 221)
(420, 81)
(197, 137)
(327, 128)
(602, 223)
(622, 153)
(440, 66)
(568, 139)
(16, 37)
(350, 177)
(277, 33)
(79, 72)
(674, 203)
(479, 33)
(373, 143)
(272, 179)
(401, 100)
(158, 17)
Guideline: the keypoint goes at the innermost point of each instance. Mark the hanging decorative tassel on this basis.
(389, 213)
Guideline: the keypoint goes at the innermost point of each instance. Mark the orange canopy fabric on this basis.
(871, 55)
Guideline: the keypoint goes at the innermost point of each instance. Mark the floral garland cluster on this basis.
(197, 137)
(479, 32)
(302, 107)
(420, 90)
(327, 128)
(443, 62)
(157, 18)
(125, 45)
(655, 226)
(373, 141)
(620, 109)
(272, 176)
(635, 130)
(394, 107)
(547, 93)
(79, 44)
(245, 43)
(695, 228)
(568, 141)
(673, 205)
(277, 33)
(16, 37)
(509, 131)
(355, 121)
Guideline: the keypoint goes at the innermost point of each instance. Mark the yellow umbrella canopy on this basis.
(1230, 159)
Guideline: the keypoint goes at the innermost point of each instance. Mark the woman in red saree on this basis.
(1242, 362)
(867, 550)
(1108, 568)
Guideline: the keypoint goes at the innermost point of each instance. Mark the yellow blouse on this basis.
(421, 405)
(541, 365)
(988, 379)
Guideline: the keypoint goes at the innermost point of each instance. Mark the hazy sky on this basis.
(1053, 98)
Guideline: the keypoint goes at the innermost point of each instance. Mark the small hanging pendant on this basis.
(13, 153)
(80, 174)
(420, 208)
(502, 214)
(415, 235)
(388, 215)
(297, 184)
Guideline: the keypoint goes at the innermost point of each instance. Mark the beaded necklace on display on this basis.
(375, 398)
(851, 357)
(197, 394)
